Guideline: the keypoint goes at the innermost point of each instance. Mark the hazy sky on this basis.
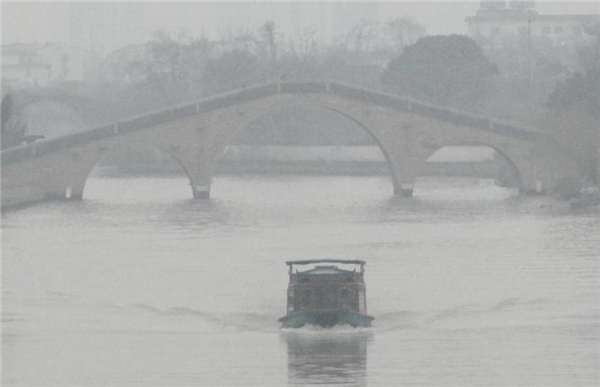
(109, 25)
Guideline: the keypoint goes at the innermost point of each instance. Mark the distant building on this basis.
(39, 64)
(502, 25)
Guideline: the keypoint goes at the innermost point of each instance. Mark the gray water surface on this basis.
(138, 285)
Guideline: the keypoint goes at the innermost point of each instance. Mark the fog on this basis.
(300, 193)
(107, 26)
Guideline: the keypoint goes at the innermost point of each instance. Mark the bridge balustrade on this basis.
(369, 96)
(308, 87)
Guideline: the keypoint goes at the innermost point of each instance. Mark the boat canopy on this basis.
(311, 261)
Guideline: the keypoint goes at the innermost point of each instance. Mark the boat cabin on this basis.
(324, 286)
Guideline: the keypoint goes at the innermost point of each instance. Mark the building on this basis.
(515, 25)
(39, 64)
(501, 22)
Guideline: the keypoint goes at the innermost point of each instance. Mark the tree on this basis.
(304, 47)
(166, 70)
(245, 40)
(301, 60)
(576, 123)
(268, 33)
(232, 70)
(13, 130)
(349, 67)
(579, 91)
(7, 109)
(593, 54)
(362, 36)
(403, 32)
(445, 69)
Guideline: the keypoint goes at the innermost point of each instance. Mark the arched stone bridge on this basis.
(195, 134)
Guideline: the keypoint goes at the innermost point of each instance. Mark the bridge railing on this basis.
(370, 96)
(47, 146)
(433, 111)
(304, 87)
(236, 97)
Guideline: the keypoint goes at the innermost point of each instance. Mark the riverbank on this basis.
(589, 197)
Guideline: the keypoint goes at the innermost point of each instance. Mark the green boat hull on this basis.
(326, 319)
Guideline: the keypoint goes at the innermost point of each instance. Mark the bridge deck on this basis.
(261, 91)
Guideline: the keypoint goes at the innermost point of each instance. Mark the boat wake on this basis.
(240, 321)
(509, 312)
(317, 330)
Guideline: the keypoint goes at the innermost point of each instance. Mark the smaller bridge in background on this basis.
(195, 134)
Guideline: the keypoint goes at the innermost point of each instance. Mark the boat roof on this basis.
(325, 270)
(311, 261)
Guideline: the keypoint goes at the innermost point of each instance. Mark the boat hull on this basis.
(326, 319)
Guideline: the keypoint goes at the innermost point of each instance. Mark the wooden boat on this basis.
(326, 295)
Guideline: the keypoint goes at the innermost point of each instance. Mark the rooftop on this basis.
(22, 48)
(521, 15)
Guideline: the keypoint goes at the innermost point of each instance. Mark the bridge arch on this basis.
(515, 177)
(256, 116)
(79, 181)
(383, 134)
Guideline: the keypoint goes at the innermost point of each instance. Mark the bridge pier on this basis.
(201, 192)
(405, 190)
(77, 197)
(405, 161)
(74, 191)
(81, 164)
(70, 195)
(194, 156)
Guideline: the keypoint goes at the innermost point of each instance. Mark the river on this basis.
(138, 285)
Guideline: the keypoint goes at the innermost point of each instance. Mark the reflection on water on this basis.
(327, 357)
